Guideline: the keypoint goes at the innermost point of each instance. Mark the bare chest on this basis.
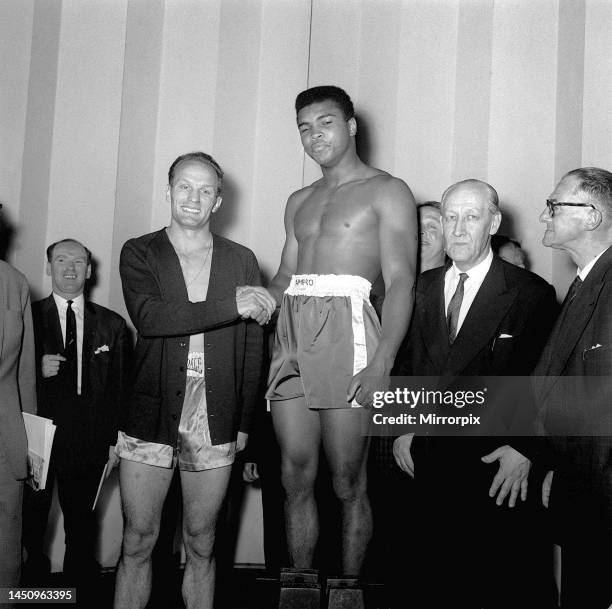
(196, 273)
(334, 214)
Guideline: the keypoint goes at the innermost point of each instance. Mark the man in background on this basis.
(509, 250)
(17, 394)
(431, 241)
(82, 358)
(574, 389)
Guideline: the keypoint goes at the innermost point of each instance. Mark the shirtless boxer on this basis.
(330, 351)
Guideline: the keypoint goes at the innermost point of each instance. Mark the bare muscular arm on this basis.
(397, 225)
(289, 257)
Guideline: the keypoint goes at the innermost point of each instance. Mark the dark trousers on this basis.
(580, 524)
(77, 461)
(473, 553)
(391, 555)
(76, 491)
(586, 571)
(77, 484)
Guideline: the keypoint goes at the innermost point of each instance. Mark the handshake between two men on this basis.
(255, 302)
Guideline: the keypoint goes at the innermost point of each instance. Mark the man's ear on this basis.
(593, 219)
(88, 273)
(217, 204)
(168, 193)
(352, 123)
(497, 217)
(48, 268)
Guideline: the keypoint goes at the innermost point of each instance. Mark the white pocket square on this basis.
(101, 349)
(505, 336)
(597, 346)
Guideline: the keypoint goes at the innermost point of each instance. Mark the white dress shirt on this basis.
(582, 273)
(471, 286)
(78, 304)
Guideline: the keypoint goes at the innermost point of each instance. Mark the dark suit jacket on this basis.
(17, 377)
(104, 377)
(510, 301)
(157, 301)
(577, 398)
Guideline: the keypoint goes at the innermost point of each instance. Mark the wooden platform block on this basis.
(300, 596)
(344, 593)
(298, 576)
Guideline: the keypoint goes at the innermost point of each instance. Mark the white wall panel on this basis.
(597, 111)
(86, 129)
(188, 91)
(278, 157)
(425, 96)
(522, 117)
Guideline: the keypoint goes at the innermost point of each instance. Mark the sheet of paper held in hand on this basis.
(40, 432)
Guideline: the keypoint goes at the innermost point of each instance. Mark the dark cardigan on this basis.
(157, 301)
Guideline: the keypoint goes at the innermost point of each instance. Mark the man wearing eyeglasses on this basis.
(576, 397)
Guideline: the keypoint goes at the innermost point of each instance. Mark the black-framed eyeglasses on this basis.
(551, 204)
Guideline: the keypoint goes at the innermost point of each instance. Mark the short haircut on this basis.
(498, 241)
(67, 240)
(594, 182)
(200, 157)
(493, 196)
(326, 93)
(434, 204)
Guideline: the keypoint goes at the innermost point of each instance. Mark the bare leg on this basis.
(203, 494)
(346, 451)
(299, 435)
(143, 490)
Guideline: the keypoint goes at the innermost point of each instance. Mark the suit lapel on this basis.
(53, 339)
(572, 322)
(570, 325)
(431, 311)
(484, 316)
(89, 334)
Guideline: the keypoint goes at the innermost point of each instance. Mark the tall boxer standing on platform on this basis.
(330, 352)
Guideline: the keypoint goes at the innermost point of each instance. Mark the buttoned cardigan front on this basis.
(156, 298)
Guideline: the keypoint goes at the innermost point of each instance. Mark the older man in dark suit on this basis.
(576, 396)
(479, 316)
(82, 352)
(17, 394)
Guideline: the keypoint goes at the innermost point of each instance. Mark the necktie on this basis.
(454, 306)
(70, 350)
(571, 293)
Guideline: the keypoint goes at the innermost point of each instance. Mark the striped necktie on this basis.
(454, 306)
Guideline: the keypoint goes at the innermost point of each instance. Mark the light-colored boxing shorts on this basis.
(194, 451)
(327, 331)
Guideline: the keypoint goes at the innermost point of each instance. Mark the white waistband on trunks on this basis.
(329, 285)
